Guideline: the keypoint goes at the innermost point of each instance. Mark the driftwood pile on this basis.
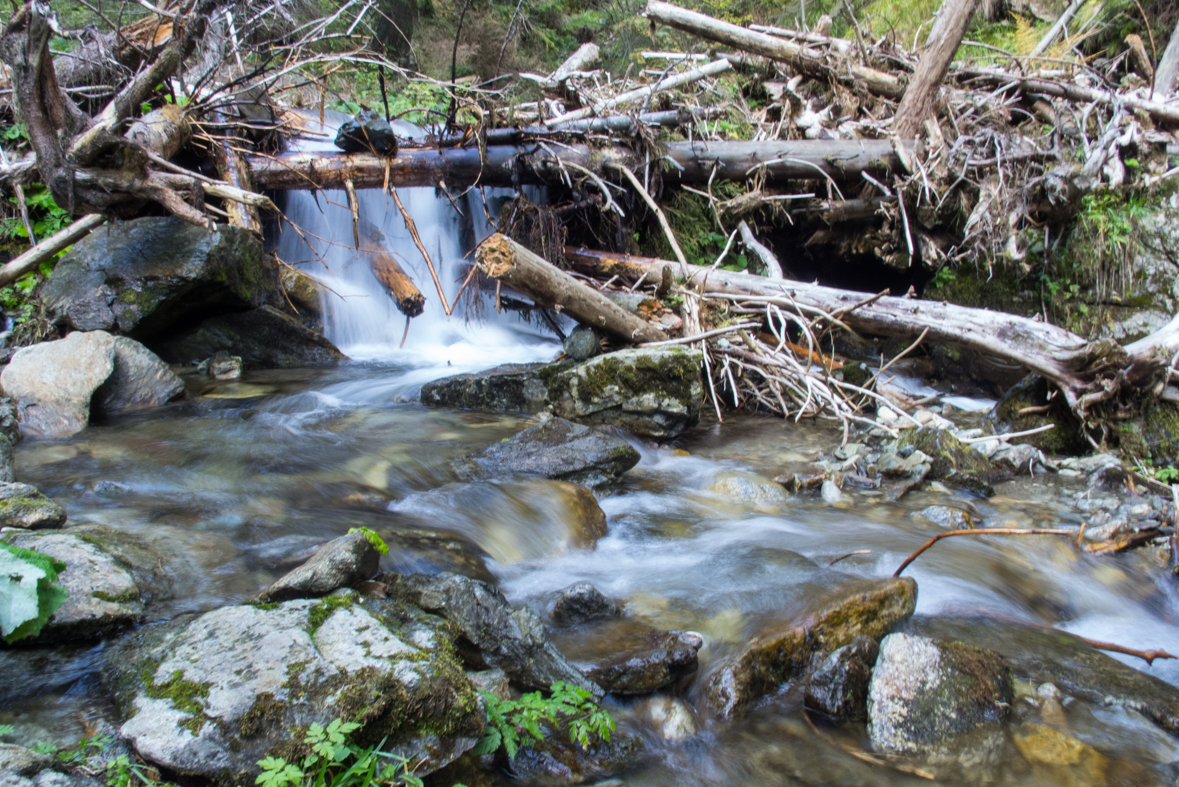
(923, 159)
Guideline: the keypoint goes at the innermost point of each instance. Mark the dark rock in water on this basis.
(25, 507)
(426, 552)
(139, 379)
(581, 603)
(340, 563)
(512, 388)
(368, 132)
(924, 692)
(53, 382)
(626, 657)
(558, 761)
(651, 392)
(153, 276)
(948, 517)
(496, 633)
(839, 687)
(1065, 437)
(869, 608)
(1075, 667)
(210, 695)
(264, 338)
(582, 344)
(554, 448)
(952, 461)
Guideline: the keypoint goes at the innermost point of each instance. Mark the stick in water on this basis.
(982, 531)
(417, 240)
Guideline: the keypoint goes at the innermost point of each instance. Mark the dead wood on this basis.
(503, 259)
(48, 247)
(920, 99)
(982, 531)
(232, 168)
(405, 294)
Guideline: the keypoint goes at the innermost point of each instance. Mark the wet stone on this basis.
(749, 489)
(627, 657)
(511, 388)
(558, 761)
(139, 380)
(582, 344)
(263, 338)
(582, 602)
(368, 132)
(53, 382)
(671, 717)
(948, 517)
(839, 687)
(340, 563)
(23, 506)
(924, 692)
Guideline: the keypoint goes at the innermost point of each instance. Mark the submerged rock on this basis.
(777, 656)
(581, 603)
(23, 506)
(511, 388)
(626, 657)
(208, 696)
(139, 379)
(21, 767)
(839, 687)
(52, 383)
(948, 517)
(749, 488)
(263, 338)
(495, 633)
(558, 761)
(651, 392)
(152, 276)
(924, 692)
(340, 563)
(671, 717)
(557, 449)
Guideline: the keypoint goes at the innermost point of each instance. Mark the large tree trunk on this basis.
(505, 165)
(920, 100)
(503, 259)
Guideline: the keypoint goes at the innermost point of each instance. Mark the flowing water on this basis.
(241, 478)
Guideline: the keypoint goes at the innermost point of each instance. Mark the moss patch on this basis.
(318, 615)
(128, 597)
(1032, 392)
(185, 696)
(953, 460)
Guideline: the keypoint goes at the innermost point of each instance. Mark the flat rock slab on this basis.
(263, 338)
(627, 657)
(866, 608)
(925, 692)
(53, 382)
(23, 506)
(211, 695)
(505, 637)
(140, 379)
(340, 563)
(511, 388)
(557, 449)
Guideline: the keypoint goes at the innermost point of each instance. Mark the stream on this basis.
(244, 476)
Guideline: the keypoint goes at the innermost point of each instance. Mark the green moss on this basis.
(318, 615)
(1000, 288)
(123, 598)
(1032, 392)
(953, 460)
(263, 605)
(185, 696)
(266, 711)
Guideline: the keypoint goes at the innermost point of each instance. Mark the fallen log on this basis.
(44, 250)
(505, 165)
(1085, 372)
(232, 168)
(802, 58)
(405, 294)
(920, 99)
(503, 259)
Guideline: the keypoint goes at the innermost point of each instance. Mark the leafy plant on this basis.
(121, 772)
(28, 591)
(1168, 475)
(373, 538)
(6, 729)
(513, 723)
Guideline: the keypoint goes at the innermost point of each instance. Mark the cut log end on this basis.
(496, 256)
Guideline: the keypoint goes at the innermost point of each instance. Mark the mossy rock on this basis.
(511, 388)
(953, 461)
(1152, 435)
(999, 289)
(1064, 438)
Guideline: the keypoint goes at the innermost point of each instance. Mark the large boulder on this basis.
(209, 696)
(868, 609)
(23, 506)
(139, 380)
(153, 276)
(53, 382)
(924, 692)
(554, 448)
(651, 392)
(627, 657)
(494, 633)
(511, 388)
(263, 338)
(340, 563)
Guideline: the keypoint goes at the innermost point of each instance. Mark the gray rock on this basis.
(948, 517)
(499, 635)
(749, 488)
(627, 657)
(10, 435)
(839, 687)
(830, 493)
(23, 506)
(582, 344)
(511, 388)
(153, 276)
(53, 382)
(263, 338)
(581, 603)
(340, 563)
(368, 132)
(24, 762)
(139, 379)
(671, 717)
(924, 692)
(554, 448)
(653, 392)
(103, 595)
(225, 367)
(557, 760)
(211, 695)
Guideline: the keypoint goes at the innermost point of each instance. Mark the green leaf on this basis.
(488, 744)
(28, 591)
(7, 729)
(373, 538)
